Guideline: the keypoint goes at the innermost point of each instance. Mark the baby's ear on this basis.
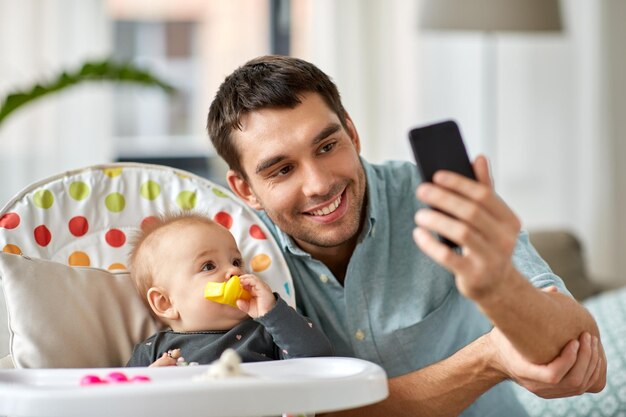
(161, 304)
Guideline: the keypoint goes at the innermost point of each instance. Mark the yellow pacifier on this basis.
(226, 292)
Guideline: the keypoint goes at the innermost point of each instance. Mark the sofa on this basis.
(563, 251)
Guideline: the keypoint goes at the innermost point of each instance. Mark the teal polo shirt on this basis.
(398, 308)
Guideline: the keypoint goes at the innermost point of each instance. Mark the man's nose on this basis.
(316, 181)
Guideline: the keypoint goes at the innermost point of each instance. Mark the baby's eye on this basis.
(238, 262)
(209, 266)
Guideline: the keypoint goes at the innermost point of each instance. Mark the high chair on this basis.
(72, 309)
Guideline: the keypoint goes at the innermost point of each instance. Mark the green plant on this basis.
(104, 70)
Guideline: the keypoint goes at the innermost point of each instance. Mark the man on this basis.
(422, 311)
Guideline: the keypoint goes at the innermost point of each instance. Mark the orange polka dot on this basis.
(260, 262)
(79, 259)
(112, 172)
(116, 266)
(14, 249)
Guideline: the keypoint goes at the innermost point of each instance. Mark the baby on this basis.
(171, 262)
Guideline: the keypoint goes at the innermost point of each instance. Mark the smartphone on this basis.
(440, 146)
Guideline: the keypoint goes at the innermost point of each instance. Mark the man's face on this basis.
(304, 170)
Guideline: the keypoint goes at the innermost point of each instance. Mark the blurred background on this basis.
(546, 104)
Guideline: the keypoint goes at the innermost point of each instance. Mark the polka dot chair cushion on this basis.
(609, 310)
(86, 218)
(73, 233)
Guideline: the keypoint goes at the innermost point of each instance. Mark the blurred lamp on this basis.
(491, 15)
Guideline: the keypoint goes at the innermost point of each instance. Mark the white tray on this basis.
(295, 385)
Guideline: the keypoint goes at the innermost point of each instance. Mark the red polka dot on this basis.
(42, 235)
(115, 238)
(78, 226)
(224, 219)
(256, 232)
(146, 222)
(10, 220)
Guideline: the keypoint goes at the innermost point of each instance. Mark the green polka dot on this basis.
(79, 190)
(150, 190)
(186, 200)
(219, 193)
(115, 202)
(43, 199)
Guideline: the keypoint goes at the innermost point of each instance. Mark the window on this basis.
(193, 44)
(152, 126)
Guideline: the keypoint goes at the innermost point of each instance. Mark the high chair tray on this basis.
(270, 388)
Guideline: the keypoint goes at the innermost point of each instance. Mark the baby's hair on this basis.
(141, 271)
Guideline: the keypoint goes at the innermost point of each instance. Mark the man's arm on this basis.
(442, 389)
(541, 323)
(449, 386)
(538, 324)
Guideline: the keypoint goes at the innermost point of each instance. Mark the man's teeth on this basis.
(329, 208)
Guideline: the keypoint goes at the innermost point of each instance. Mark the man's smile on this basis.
(327, 209)
(331, 211)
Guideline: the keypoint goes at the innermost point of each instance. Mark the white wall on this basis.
(613, 17)
(558, 146)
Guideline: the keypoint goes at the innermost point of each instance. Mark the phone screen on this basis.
(440, 146)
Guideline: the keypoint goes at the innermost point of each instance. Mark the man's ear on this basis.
(242, 189)
(354, 135)
(161, 304)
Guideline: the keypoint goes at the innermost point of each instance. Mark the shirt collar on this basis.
(287, 243)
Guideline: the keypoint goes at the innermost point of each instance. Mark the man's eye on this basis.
(209, 266)
(328, 147)
(283, 171)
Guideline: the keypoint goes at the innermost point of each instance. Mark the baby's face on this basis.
(190, 254)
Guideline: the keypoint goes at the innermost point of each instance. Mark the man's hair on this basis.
(271, 81)
(141, 269)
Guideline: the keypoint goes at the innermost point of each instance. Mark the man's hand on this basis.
(473, 216)
(575, 371)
